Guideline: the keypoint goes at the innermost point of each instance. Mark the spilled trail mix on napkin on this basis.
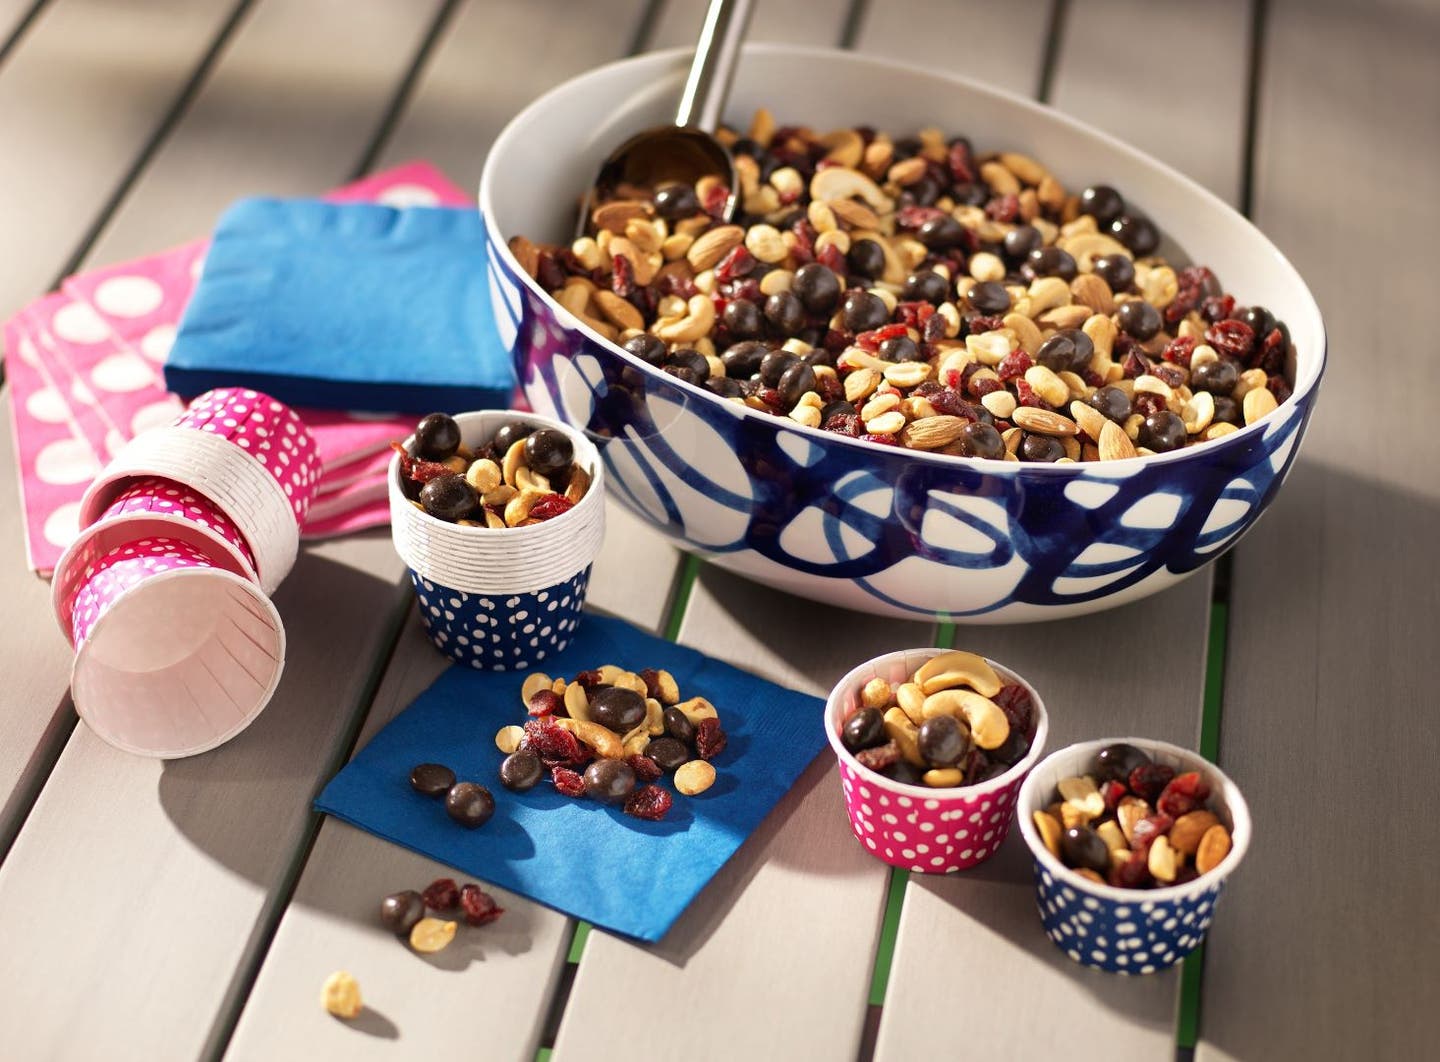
(579, 856)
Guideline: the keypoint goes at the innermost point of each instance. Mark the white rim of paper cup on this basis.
(232, 479)
(100, 538)
(240, 593)
(1231, 803)
(482, 582)
(911, 660)
(471, 549)
(523, 561)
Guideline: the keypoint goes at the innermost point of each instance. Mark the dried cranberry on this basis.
(1134, 873)
(1150, 779)
(675, 284)
(649, 802)
(1025, 396)
(844, 424)
(962, 167)
(622, 282)
(737, 263)
(590, 679)
(419, 471)
(544, 702)
(1217, 308)
(1144, 832)
(980, 386)
(441, 894)
(879, 757)
(872, 339)
(883, 438)
(568, 782)
(1173, 375)
(1184, 794)
(548, 272)
(1003, 208)
(1091, 377)
(952, 404)
(646, 769)
(1147, 403)
(554, 745)
(1178, 351)
(1231, 337)
(1185, 874)
(1279, 387)
(912, 217)
(714, 201)
(1014, 701)
(1014, 364)
(479, 906)
(982, 323)
(651, 678)
(709, 739)
(551, 506)
(1113, 792)
(1135, 364)
(804, 250)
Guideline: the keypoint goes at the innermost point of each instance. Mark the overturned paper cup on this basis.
(247, 453)
(174, 656)
(164, 498)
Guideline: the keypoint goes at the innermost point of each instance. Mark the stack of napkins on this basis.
(87, 364)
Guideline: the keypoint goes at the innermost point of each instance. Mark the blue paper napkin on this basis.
(345, 306)
(579, 856)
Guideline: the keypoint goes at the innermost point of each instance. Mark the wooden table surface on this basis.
(192, 909)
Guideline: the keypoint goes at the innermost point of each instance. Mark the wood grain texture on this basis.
(773, 960)
(1108, 674)
(35, 712)
(1322, 946)
(816, 23)
(86, 86)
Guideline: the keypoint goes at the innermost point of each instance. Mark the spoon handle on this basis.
(713, 69)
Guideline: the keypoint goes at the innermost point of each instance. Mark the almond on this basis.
(854, 214)
(1214, 847)
(1089, 289)
(1114, 444)
(614, 215)
(932, 433)
(714, 245)
(619, 311)
(1043, 421)
(1089, 419)
(907, 171)
(1185, 835)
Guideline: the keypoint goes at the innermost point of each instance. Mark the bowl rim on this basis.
(596, 468)
(1115, 469)
(1241, 827)
(1017, 770)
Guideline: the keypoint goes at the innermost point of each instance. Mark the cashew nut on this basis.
(577, 703)
(988, 725)
(697, 322)
(698, 708)
(532, 685)
(601, 740)
(654, 717)
(1088, 246)
(906, 736)
(846, 147)
(636, 741)
(842, 182)
(957, 668)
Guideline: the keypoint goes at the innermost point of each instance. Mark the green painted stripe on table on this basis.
(1187, 1025)
(895, 887)
(543, 1054)
(679, 601)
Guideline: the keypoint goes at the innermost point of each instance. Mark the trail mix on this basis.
(912, 293)
(403, 913)
(611, 734)
(468, 803)
(1134, 823)
(340, 995)
(954, 722)
(521, 476)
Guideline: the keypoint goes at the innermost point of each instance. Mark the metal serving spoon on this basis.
(686, 150)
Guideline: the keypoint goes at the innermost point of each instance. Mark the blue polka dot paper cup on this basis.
(1132, 931)
(502, 599)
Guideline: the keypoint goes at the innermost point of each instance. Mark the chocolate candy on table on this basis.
(401, 910)
(667, 752)
(432, 779)
(437, 437)
(617, 708)
(863, 730)
(449, 497)
(609, 781)
(470, 804)
(521, 770)
(548, 451)
(678, 726)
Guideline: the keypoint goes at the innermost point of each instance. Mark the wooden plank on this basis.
(84, 89)
(817, 23)
(783, 939)
(987, 920)
(191, 852)
(331, 921)
(1321, 946)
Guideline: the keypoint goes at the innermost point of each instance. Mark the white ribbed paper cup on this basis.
(174, 656)
(499, 557)
(247, 453)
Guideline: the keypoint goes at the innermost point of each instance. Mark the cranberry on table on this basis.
(1139, 319)
(1111, 402)
(1117, 270)
(1102, 203)
(521, 770)
(1162, 432)
(449, 497)
(609, 781)
(469, 804)
(863, 730)
(1081, 846)
(548, 451)
(432, 779)
(1137, 233)
(1114, 763)
(817, 288)
(863, 311)
(437, 437)
(617, 708)
(990, 297)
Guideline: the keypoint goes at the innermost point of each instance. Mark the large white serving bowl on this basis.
(869, 527)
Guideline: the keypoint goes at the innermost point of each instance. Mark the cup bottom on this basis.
(501, 632)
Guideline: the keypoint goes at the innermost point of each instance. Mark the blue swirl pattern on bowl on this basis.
(881, 528)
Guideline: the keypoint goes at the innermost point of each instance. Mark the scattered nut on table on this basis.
(340, 995)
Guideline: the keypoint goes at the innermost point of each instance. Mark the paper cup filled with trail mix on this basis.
(1132, 840)
(498, 516)
(933, 745)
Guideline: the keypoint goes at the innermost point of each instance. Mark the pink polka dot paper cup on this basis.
(173, 655)
(247, 453)
(916, 827)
